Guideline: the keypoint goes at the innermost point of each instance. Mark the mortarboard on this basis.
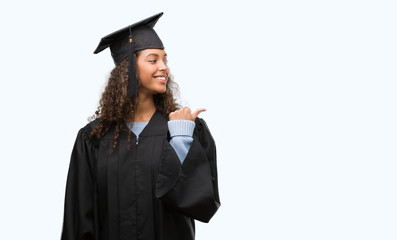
(129, 40)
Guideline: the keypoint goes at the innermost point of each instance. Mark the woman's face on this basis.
(152, 71)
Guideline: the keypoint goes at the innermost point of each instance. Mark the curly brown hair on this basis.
(115, 106)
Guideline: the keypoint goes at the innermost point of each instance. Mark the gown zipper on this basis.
(154, 200)
(136, 200)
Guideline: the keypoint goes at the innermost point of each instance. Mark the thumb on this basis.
(197, 112)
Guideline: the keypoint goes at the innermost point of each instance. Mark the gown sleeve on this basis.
(192, 187)
(78, 223)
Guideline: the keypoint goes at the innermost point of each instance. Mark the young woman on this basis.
(144, 168)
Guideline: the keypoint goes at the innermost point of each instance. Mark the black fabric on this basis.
(143, 36)
(141, 191)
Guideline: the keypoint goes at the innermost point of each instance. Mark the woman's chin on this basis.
(162, 90)
(152, 91)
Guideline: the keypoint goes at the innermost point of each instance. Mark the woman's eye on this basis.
(153, 61)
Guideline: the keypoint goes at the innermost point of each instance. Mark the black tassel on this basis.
(133, 82)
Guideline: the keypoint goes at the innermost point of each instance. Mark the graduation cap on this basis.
(129, 40)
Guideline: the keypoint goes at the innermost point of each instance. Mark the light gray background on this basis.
(301, 99)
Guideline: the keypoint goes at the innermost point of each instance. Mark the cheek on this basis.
(145, 73)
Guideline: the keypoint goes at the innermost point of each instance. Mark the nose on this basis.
(163, 66)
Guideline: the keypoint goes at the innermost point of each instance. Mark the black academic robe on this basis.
(140, 190)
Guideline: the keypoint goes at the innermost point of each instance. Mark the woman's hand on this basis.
(185, 114)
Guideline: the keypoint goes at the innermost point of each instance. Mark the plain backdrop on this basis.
(300, 97)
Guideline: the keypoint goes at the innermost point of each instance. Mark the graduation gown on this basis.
(140, 190)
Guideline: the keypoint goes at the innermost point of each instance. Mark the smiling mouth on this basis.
(161, 78)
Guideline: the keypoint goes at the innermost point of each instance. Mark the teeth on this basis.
(160, 78)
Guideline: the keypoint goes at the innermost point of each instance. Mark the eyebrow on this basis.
(156, 55)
